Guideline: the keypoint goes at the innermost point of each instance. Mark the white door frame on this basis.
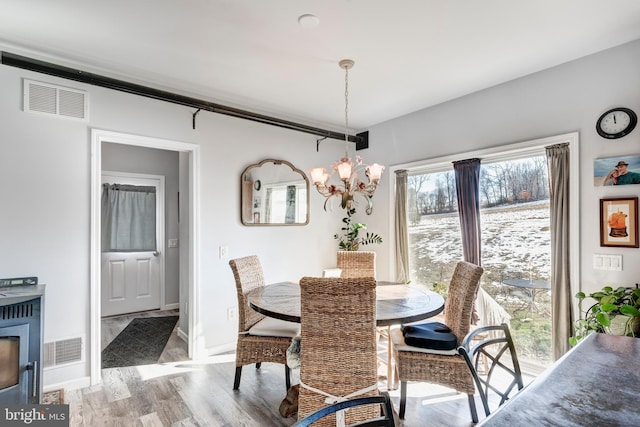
(99, 136)
(130, 178)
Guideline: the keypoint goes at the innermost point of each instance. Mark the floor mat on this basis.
(140, 343)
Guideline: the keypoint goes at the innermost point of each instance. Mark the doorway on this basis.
(189, 286)
(133, 230)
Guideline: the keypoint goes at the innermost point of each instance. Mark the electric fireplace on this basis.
(21, 345)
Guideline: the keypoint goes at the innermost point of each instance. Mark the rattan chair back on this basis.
(248, 275)
(338, 344)
(463, 289)
(357, 264)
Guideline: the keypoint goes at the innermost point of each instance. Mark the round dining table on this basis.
(395, 303)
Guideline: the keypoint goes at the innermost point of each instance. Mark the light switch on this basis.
(616, 262)
(224, 252)
(597, 262)
(607, 262)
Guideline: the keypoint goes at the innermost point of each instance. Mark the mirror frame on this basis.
(243, 196)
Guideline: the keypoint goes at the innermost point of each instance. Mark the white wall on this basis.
(45, 172)
(560, 100)
(45, 196)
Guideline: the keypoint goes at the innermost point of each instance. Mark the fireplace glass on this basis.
(10, 361)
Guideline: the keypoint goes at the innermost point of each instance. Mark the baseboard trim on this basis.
(219, 349)
(69, 385)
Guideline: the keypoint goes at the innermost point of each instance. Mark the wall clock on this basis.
(616, 123)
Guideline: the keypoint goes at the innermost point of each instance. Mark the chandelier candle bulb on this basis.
(319, 176)
(344, 168)
(374, 172)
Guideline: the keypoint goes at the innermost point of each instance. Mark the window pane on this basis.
(433, 228)
(516, 250)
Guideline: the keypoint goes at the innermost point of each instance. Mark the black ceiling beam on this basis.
(38, 66)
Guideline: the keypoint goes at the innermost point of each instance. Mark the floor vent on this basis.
(45, 98)
(62, 352)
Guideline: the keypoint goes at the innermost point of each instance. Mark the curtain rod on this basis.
(31, 64)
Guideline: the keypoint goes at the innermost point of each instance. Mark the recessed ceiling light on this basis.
(308, 20)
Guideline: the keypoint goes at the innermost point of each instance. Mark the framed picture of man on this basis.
(620, 170)
(619, 222)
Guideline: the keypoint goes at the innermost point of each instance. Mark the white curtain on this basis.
(128, 218)
(402, 240)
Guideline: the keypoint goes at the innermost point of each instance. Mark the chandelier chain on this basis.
(346, 111)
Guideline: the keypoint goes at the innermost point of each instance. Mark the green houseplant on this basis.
(616, 311)
(350, 239)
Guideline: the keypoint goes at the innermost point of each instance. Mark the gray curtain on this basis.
(128, 218)
(402, 239)
(562, 315)
(468, 192)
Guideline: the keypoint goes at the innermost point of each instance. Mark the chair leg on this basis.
(258, 365)
(287, 376)
(236, 381)
(403, 399)
(472, 408)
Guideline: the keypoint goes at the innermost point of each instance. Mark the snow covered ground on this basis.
(515, 243)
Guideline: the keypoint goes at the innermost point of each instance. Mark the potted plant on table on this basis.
(350, 239)
(616, 311)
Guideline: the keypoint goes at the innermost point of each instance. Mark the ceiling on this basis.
(254, 55)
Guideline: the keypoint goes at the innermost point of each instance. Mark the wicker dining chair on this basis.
(446, 368)
(338, 345)
(357, 264)
(260, 338)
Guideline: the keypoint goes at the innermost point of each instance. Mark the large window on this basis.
(515, 245)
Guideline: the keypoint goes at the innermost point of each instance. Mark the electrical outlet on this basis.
(224, 252)
(231, 313)
(173, 243)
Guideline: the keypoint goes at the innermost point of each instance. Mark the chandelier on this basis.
(347, 170)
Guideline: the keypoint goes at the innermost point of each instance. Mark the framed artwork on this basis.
(620, 170)
(619, 222)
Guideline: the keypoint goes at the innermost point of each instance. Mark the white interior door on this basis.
(133, 281)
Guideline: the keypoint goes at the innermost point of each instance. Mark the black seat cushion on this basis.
(432, 335)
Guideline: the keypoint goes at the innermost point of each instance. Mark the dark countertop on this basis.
(597, 383)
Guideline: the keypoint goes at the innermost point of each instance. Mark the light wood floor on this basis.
(179, 392)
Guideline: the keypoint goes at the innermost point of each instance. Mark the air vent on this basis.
(16, 311)
(45, 98)
(62, 352)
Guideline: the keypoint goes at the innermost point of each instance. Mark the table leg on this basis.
(390, 374)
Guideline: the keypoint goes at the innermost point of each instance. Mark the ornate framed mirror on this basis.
(274, 192)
